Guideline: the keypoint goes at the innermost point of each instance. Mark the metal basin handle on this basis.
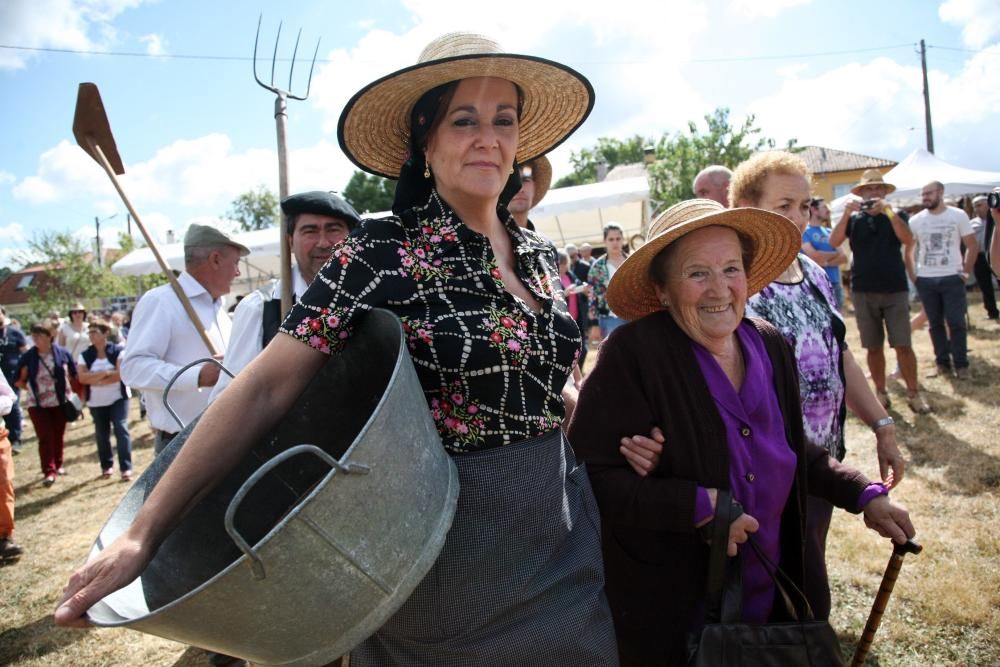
(256, 565)
(166, 390)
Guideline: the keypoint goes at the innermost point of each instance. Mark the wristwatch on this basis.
(882, 423)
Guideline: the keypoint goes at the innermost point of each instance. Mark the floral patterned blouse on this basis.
(492, 369)
(805, 315)
(599, 277)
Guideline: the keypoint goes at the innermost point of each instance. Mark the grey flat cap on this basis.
(200, 236)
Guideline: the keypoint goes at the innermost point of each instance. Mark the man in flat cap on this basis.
(317, 221)
(163, 339)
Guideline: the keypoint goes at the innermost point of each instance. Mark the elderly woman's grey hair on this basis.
(660, 269)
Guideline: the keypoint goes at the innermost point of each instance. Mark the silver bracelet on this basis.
(882, 423)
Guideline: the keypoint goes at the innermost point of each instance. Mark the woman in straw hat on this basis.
(519, 580)
(725, 393)
(801, 304)
(72, 335)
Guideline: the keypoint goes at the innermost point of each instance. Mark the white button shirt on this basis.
(247, 339)
(162, 340)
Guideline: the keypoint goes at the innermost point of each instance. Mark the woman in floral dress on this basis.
(520, 578)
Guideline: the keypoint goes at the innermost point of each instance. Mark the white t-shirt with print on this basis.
(939, 239)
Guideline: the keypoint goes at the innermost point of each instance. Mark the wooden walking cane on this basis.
(882, 599)
(93, 134)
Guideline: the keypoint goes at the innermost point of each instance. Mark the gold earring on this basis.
(427, 170)
(512, 170)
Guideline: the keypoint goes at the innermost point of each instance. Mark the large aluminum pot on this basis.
(302, 552)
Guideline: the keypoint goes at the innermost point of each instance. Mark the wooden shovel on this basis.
(93, 134)
(882, 598)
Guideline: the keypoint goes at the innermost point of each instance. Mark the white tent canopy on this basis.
(920, 168)
(578, 214)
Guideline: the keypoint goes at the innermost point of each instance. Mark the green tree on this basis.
(678, 156)
(255, 209)
(368, 193)
(76, 276)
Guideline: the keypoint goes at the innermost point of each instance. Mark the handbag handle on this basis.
(724, 601)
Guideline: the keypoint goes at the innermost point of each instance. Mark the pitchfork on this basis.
(280, 119)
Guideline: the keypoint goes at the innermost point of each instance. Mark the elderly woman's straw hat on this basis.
(774, 241)
(541, 172)
(374, 127)
(872, 177)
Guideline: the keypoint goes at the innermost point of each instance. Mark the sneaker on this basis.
(939, 371)
(883, 398)
(106, 473)
(61, 471)
(9, 549)
(918, 404)
(961, 373)
(15, 447)
(126, 475)
(49, 480)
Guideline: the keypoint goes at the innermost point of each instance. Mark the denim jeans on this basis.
(14, 419)
(945, 302)
(108, 417)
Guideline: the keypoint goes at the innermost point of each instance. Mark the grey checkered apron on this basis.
(520, 579)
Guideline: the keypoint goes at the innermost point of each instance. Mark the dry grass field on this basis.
(945, 609)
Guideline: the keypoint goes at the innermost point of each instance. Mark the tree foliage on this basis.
(255, 209)
(679, 156)
(75, 275)
(368, 193)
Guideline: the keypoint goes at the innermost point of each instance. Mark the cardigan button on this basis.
(745, 431)
(750, 477)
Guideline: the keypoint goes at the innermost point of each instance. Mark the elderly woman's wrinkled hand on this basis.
(891, 463)
(643, 453)
(740, 530)
(889, 519)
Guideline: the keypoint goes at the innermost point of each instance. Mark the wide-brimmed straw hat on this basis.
(374, 128)
(774, 240)
(77, 307)
(541, 174)
(872, 177)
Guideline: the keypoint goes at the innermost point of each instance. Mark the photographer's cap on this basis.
(202, 236)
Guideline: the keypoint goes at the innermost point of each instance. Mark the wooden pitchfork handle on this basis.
(882, 599)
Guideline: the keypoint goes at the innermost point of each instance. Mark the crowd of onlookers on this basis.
(50, 372)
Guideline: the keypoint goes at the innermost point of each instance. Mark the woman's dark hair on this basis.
(101, 325)
(659, 267)
(427, 114)
(39, 328)
(611, 227)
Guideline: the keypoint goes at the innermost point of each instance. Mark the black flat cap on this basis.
(321, 202)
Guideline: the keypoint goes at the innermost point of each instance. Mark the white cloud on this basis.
(66, 24)
(156, 45)
(13, 233)
(979, 20)
(876, 108)
(62, 170)
(763, 8)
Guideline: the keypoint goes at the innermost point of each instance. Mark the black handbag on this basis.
(727, 640)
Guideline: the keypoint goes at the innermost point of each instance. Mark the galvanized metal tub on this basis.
(334, 537)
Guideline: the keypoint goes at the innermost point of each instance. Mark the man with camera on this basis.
(983, 225)
(879, 291)
(992, 238)
(941, 274)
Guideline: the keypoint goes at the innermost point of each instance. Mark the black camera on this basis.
(867, 204)
(993, 200)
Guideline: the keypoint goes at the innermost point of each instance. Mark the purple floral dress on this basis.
(804, 314)
(492, 370)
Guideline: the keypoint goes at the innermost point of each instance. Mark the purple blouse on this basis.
(761, 464)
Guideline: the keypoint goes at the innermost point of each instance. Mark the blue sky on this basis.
(196, 132)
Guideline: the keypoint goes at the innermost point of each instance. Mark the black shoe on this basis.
(9, 550)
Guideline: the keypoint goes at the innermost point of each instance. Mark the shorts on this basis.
(873, 308)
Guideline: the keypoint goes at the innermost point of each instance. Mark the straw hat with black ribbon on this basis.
(541, 174)
(374, 128)
(774, 243)
(872, 177)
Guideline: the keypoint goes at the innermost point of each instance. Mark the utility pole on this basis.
(97, 224)
(927, 99)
